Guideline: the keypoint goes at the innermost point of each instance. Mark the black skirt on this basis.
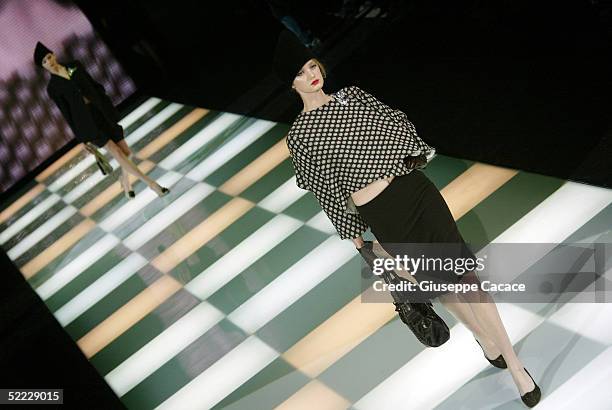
(105, 130)
(410, 212)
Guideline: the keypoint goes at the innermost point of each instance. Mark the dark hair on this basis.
(321, 67)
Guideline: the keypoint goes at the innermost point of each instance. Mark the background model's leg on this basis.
(130, 167)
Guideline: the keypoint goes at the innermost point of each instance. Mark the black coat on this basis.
(68, 95)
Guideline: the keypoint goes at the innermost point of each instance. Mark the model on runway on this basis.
(361, 159)
(90, 114)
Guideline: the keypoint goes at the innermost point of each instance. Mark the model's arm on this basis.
(425, 152)
(301, 162)
(371, 101)
(308, 176)
(62, 104)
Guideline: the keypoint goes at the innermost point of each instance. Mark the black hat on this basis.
(40, 52)
(290, 55)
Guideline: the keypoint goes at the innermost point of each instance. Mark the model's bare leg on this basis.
(130, 167)
(124, 147)
(125, 180)
(485, 312)
(464, 314)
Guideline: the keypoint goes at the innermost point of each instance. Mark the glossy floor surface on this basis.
(234, 291)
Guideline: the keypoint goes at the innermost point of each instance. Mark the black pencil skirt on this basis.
(409, 212)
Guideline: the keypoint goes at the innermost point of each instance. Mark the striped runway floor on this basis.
(234, 292)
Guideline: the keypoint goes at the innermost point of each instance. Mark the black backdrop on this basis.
(515, 83)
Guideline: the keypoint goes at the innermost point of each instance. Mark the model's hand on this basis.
(358, 241)
(412, 161)
(89, 149)
(382, 253)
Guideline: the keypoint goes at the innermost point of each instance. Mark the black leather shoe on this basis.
(164, 191)
(533, 397)
(498, 362)
(130, 194)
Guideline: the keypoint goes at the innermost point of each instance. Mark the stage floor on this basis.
(234, 291)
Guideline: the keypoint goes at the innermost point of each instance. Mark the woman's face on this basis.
(309, 79)
(50, 63)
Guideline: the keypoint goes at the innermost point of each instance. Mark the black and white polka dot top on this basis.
(347, 143)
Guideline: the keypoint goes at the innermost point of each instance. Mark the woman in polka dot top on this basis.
(362, 161)
(347, 143)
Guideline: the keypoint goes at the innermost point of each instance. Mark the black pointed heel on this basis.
(164, 191)
(498, 362)
(128, 194)
(533, 397)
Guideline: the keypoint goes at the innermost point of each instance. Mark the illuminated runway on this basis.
(235, 292)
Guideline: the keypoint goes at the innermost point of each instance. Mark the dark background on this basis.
(515, 83)
(520, 84)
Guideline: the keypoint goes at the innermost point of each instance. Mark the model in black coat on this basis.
(92, 116)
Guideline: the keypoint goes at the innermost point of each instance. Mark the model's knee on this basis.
(448, 298)
(475, 294)
(471, 278)
(111, 146)
(124, 147)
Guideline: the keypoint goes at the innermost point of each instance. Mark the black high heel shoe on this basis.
(164, 191)
(533, 397)
(498, 362)
(128, 194)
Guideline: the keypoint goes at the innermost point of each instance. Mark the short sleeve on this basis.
(396, 115)
(371, 101)
(309, 177)
(348, 226)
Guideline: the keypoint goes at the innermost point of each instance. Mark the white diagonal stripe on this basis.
(322, 223)
(588, 389)
(152, 123)
(201, 138)
(168, 215)
(242, 256)
(230, 149)
(559, 215)
(28, 218)
(119, 216)
(42, 231)
(162, 348)
(226, 375)
(283, 196)
(548, 224)
(572, 316)
(429, 364)
(294, 283)
(90, 182)
(584, 202)
(76, 266)
(87, 184)
(141, 110)
(104, 285)
(72, 173)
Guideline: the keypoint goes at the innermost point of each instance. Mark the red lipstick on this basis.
(315, 82)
